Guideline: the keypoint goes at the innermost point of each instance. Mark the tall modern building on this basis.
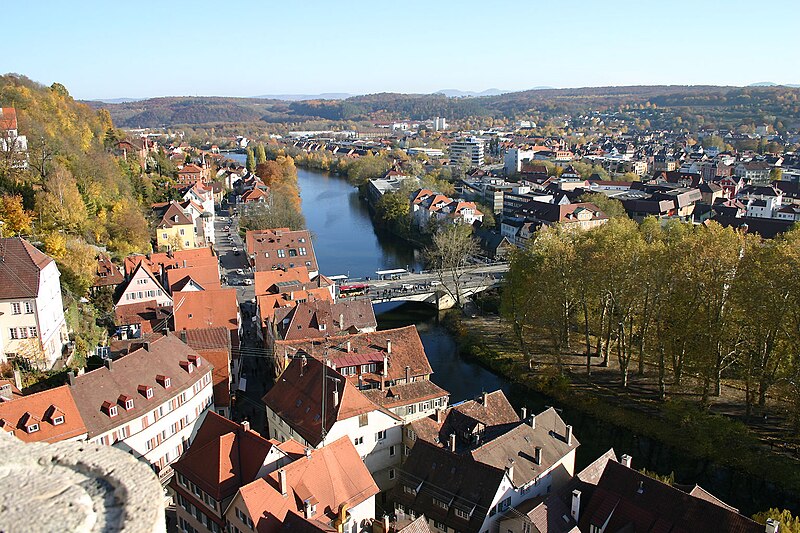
(439, 124)
(471, 148)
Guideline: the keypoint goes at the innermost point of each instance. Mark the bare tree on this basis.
(449, 256)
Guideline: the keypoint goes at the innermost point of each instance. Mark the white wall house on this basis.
(32, 324)
(149, 402)
(143, 287)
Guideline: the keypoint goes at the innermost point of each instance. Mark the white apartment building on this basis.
(203, 197)
(470, 148)
(513, 159)
(32, 324)
(296, 410)
(142, 287)
(149, 402)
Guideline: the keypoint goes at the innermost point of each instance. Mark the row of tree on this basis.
(699, 303)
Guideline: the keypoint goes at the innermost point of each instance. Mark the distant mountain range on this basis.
(457, 93)
(721, 106)
(118, 100)
(298, 97)
(773, 84)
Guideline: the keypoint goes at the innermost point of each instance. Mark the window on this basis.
(302, 251)
(281, 253)
(13, 332)
(409, 490)
(441, 503)
(183, 231)
(391, 451)
(112, 411)
(380, 435)
(462, 514)
(439, 525)
(526, 527)
(28, 308)
(406, 450)
(16, 308)
(391, 473)
(358, 440)
(58, 420)
(128, 404)
(504, 505)
(411, 409)
(163, 235)
(363, 420)
(33, 428)
(23, 333)
(411, 435)
(33, 331)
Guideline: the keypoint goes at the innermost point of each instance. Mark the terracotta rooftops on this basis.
(401, 346)
(20, 265)
(173, 215)
(175, 259)
(8, 118)
(331, 476)
(214, 345)
(224, 456)
(296, 397)
(321, 317)
(47, 416)
(163, 364)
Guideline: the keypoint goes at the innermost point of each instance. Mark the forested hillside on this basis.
(679, 105)
(73, 193)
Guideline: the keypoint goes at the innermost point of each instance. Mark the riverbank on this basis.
(710, 449)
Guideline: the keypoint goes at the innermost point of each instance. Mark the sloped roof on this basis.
(207, 276)
(175, 259)
(41, 408)
(174, 215)
(296, 397)
(206, 309)
(20, 265)
(306, 318)
(162, 356)
(634, 500)
(148, 314)
(332, 476)
(518, 445)
(214, 344)
(223, 456)
(406, 393)
(8, 118)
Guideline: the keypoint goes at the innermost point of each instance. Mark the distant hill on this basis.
(456, 93)
(118, 100)
(294, 97)
(723, 106)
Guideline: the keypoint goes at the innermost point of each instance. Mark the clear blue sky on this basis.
(142, 48)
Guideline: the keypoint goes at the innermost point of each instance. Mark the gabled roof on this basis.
(296, 397)
(324, 317)
(148, 314)
(206, 309)
(146, 273)
(190, 168)
(207, 276)
(406, 351)
(630, 499)
(175, 259)
(162, 356)
(8, 118)
(214, 345)
(174, 215)
(107, 273)
(519, 444)
(43, 408)
(20, 266)
(331, 476)
(432, 473)
(223, 456)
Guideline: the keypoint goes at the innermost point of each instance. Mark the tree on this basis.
(611, 207)
(449, 255)
(250, 163)
(15, 219)
(279, 212)
(789, 523)
(260, 154)
(776, 174)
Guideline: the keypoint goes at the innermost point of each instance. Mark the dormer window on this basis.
(32, 428)
(126, 401)
(110, 409)
(164, 381)
(188, 366)
(146, 391)
(195, 360)
(57, 421)
(55, 415)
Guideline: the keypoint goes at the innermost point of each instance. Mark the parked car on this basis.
(240, 271)
(248, 281)
(236, 251)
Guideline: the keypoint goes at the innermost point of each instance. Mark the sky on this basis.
(145, 48)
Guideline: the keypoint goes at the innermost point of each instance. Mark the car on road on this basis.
(248, 281)
(435, 283)
(236, 251)
(240, 271)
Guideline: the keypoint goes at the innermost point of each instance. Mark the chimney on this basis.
(335, 397)
(385, 521)
(385, 366)
(307, 509)
(282, 482)
(291, 295)
(453, 442)
(341, 322)
(388, 346)
(625, 460)
(510, 470)
(533, 421)
(348, 346)
(772, 526)
(70, 378)
(440, 416)
(246, 425)
(523, 413)
(18, 379)
(109, 364)
(575, 509)
(537, 455)
(408, 374)
(569, 435)
(184, 263)
(485, 398)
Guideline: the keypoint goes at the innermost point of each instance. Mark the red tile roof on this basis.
(8, 118)
(149, 315)
(20, 266)
(206, 309)
(174, 259)
(42, 409)
(207, 276)
(214, 345)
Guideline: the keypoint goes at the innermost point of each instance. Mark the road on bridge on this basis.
(429, 281)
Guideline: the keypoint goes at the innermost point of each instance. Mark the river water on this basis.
(346, 242)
